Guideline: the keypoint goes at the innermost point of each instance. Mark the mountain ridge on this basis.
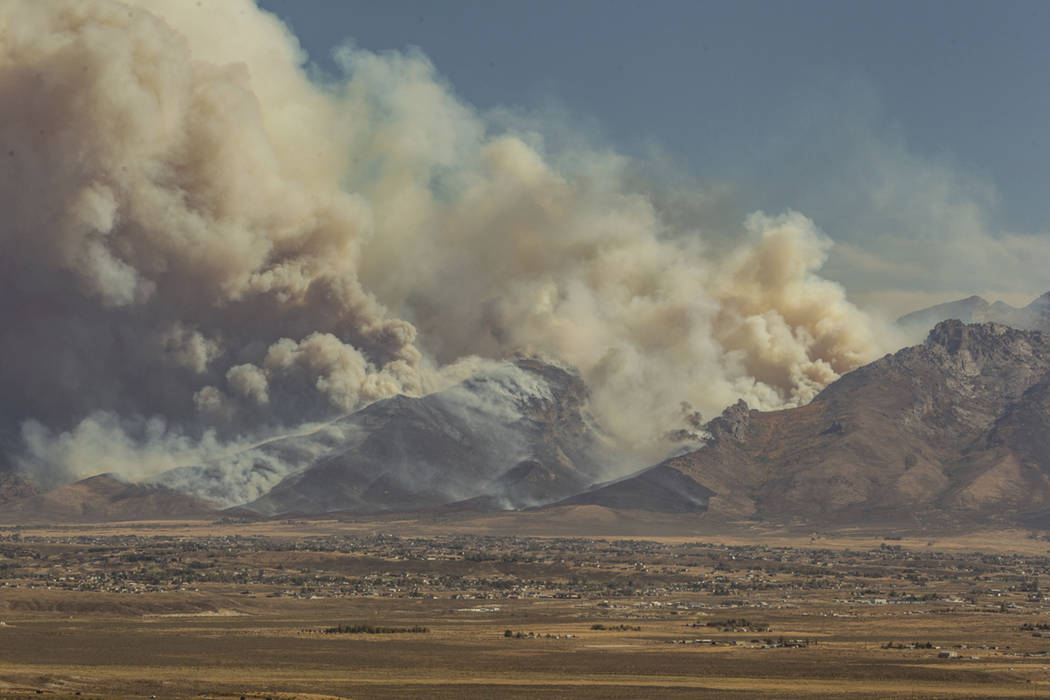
(976, 309)
(954, 430)
(939, 430)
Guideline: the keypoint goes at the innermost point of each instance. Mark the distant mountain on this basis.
(103, 498)
(1035, 316)
(956, 429)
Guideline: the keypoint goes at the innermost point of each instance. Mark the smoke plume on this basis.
(204, 246)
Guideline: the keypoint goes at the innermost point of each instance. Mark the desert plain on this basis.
(429, 607)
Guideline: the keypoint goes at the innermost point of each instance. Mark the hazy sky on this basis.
(915, 132)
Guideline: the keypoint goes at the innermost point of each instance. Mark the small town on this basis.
(609, 579)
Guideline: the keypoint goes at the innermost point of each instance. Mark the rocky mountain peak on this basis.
(954, 336)
(978, 345)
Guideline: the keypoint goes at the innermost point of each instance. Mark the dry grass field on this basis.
(214, 610)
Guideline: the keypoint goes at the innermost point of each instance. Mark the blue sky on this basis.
(913, 133)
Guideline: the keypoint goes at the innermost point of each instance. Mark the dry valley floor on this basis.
(392, 610)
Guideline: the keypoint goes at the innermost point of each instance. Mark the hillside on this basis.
(103, 498)
(518, 435)
(956, 428)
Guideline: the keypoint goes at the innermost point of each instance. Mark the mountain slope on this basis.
(662, 489)
(104, 498)
(956, 427)
(458, 444)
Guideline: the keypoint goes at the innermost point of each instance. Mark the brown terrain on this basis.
(951, 431)
(98, 499)
(412, 608)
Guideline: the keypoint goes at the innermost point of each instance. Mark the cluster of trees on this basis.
(734, 624)
(913, 645)
(511, 634)
(615, 628)
(1030, 626)
(372, 629)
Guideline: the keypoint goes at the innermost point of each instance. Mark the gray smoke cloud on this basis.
(202, 247)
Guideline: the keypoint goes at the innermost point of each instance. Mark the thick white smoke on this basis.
(201, 245)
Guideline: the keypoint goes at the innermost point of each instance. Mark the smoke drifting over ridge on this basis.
(202, 247)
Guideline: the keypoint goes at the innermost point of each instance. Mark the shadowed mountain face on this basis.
(955, 428)
(532, 481)
(662, 489)
(1035, 316)
(517, 435)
